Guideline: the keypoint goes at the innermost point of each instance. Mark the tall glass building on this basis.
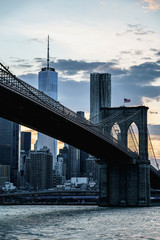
(48, 83)
(9, 146)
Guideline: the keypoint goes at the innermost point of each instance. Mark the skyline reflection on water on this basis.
(41, 222)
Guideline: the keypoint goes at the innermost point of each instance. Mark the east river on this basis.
(39, 222)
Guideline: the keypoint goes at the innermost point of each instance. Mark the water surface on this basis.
(78, 222)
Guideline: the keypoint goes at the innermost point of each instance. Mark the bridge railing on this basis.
(9, 80)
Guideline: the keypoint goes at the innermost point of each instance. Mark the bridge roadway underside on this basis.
(17, 108)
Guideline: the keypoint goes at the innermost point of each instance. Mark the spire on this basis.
(48, 54)
(48, 67)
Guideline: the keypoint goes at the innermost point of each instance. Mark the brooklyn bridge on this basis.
(126, 176)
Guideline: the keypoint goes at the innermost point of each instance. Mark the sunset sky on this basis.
(121, 37)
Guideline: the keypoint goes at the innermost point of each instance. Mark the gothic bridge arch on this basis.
(124, 117)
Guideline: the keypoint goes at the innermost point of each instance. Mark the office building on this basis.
(41, 169)
(4, 175)
(100, 94)
(9, 146)
(59, 166)
(74, 162)
(92, 168)
(82, 156)
(48, 83)
(26, 141)
(64, 153)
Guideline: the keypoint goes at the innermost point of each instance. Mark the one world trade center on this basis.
(48, 83)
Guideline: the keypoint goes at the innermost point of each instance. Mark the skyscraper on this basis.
(9, 146)
(48, 83)
(82, 155)
(26, 141)
(41, 173)
(100, 94)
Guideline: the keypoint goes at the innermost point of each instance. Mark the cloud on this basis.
(153, 5)
(17, 60)
(145, 73)
(38, 39)
(136, 29)
(132, 52)
(72, 67)
(135, 82)
(156, 51)
(23, 66)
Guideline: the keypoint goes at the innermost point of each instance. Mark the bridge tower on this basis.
(126, 183)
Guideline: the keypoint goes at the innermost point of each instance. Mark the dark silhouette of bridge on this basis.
(124, 175)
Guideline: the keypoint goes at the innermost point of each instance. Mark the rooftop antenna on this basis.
(48, 54)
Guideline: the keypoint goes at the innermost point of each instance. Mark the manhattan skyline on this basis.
(118, 37)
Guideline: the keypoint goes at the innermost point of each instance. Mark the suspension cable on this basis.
(149, 137)
(134, 139)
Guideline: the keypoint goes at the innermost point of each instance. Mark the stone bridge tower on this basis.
(126, 183)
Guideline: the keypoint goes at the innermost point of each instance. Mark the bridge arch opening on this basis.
(116, 131)
(133, 137)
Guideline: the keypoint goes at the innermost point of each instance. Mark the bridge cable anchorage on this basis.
(152, 151)
(16, 85)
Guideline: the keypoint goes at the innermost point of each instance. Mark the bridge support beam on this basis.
(126, 184)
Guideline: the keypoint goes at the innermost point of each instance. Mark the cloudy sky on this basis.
(121, 37)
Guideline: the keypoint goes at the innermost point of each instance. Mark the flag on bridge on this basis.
(126, 100)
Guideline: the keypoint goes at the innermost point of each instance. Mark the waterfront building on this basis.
(41, 169)
(59, 166)
(9, 146)
(92, 169)
(78, 181)
(27, 167)
(100, 94)
(73, 163)
(4, 174)
(82, 156)
(57, 179)
(25, 149)
(48, 83)
(64, 153)
(82, 159)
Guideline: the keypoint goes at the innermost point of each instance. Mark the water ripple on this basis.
(79, 223)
